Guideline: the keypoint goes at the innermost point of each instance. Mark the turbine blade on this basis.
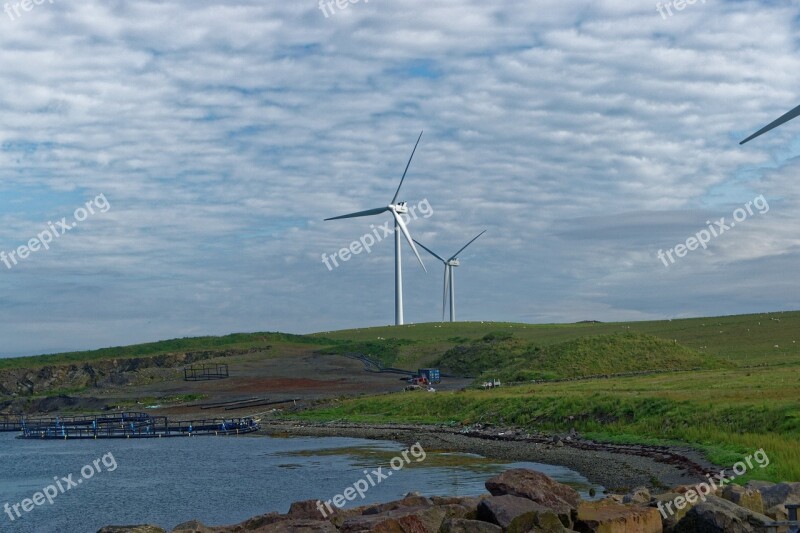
(366, 213)
(772, 125)
(444, 294)
(404, 229)
(465, 246)
(434, 254)
(406, 170)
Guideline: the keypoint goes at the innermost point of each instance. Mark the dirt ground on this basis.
(296, 375)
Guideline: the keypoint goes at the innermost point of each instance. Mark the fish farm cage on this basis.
(128, 426)
(205, 372)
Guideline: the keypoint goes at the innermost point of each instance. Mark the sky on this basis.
(211, 139)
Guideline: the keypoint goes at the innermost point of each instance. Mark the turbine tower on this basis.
(774, 124)
(397, 209)
(449, 279)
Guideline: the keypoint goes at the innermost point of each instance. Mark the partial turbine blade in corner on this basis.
(404, 229)
(434, 254)
(366, 213)
(772, 125)
(465, 246)
(397, 193)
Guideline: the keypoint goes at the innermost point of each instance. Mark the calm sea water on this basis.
(220, 480)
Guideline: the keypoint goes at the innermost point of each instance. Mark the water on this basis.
(220, 480)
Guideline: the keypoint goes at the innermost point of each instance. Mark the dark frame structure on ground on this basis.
(131, 426)
(205, 372)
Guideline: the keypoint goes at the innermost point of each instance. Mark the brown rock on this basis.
(536, 487)
(308, 510)
(518, 514)
(608, 517)
(300, 526)
(717, 515)
(255, 523)
(778, 512)
(193, 526)
(670, 513)
(747, 498)
(408, 501)
(146, 528)
(404, 520)
(458, 525)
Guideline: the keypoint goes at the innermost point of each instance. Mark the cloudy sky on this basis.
(585, 136)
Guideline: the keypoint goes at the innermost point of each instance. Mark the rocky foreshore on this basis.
(520, 501)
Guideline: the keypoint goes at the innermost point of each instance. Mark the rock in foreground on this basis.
(520, 501)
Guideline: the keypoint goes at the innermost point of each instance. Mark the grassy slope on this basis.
(233, 341)
(513, 360)
(725, 412)
(746, 340)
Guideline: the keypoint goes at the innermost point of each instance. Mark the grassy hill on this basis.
(236, 340)
(746, 340)
(501, 356)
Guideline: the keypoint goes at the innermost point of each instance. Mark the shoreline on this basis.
(618, 468)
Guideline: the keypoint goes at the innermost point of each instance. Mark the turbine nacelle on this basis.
(401, 208)
(454, 262)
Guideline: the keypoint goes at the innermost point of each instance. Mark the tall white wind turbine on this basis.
(449, 278)
(397, 209)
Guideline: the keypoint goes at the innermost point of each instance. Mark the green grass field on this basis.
(743, 397)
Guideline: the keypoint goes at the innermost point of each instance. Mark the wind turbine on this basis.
(449, 279)
(397, 209)
(774, 124)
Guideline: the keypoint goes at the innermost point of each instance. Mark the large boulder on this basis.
(405, 520)
(256, 523)
(516, 514)
(410, 500)
(610, 517)
(460, 525)
(536, 487)
(743, 497)
(308, 510)
(717, 515)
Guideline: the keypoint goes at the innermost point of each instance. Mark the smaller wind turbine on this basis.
(774, 124)
(449, 279)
